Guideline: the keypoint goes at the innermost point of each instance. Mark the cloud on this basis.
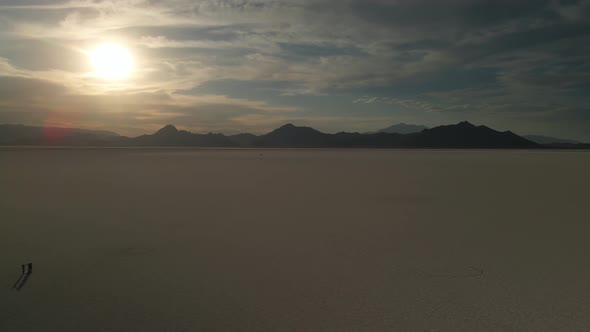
(445, 57)
(22, 97)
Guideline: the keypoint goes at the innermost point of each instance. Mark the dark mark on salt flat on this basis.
(26, 271)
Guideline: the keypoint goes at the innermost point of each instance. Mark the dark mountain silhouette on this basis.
(539, 139)
(467, 135)
(401, 128)
(167, 131)
(170, 136)
(243, 140)
(567, 145)
(462, 135)
(29, 135)
(292, 136)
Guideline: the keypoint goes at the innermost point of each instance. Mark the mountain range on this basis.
(549, 140)
(401, 128)
(461, 135)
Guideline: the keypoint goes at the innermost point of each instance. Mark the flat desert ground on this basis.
(294, 240)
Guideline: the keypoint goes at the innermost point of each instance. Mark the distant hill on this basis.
(401, 128)
(30, 135)
(170, 136)
(462, 135)
(292, 136)
(467, 135)
(243, 140)
(539, 139)
(571, 146)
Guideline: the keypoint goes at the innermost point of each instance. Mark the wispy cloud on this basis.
(432, 57)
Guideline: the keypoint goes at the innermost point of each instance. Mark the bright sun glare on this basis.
(111, 61)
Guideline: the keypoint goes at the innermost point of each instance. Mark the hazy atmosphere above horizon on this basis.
(232, 66)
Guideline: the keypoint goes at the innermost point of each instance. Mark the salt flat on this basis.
(295, 240)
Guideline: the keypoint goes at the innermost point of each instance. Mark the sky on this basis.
(337, 65)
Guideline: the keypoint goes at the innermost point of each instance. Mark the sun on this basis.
(111, 62)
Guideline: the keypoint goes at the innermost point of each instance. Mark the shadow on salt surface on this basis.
(27, 271)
